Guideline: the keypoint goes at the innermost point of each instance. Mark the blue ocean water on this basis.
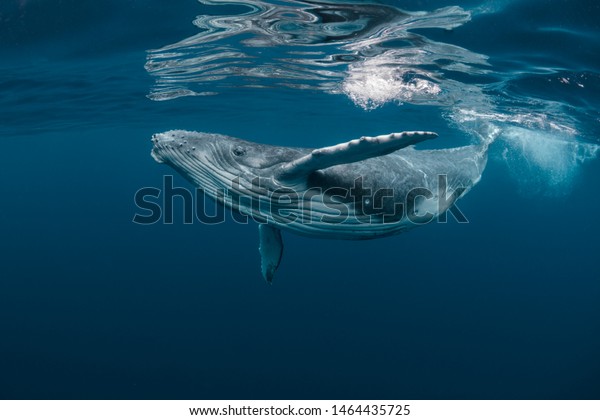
(95, 306)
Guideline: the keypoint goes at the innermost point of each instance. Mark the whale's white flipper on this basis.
(271, 250)
(352, 151)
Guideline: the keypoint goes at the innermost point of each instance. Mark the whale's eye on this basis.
(239, 151)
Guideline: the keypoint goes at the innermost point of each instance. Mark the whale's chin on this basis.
(156, 157)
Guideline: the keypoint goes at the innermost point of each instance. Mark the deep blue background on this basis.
(94, 306)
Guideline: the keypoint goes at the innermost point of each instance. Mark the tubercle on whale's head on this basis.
(228, 153)
(178, 147)
(197, 156)
(212, 161)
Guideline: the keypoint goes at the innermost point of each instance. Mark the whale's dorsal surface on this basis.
(365, 188)
(351, 151)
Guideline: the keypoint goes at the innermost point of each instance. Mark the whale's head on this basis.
(210, 161)
(217, 162)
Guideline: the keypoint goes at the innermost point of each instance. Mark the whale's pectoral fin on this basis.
(352, 151)
(271, 249)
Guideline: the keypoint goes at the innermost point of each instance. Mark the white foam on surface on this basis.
(373, 84)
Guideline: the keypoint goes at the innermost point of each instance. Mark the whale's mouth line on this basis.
(156, 156)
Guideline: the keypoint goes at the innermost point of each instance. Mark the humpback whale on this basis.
(365, 188)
